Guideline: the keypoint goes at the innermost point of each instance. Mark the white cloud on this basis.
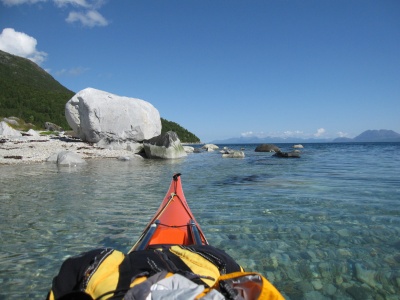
(59, 3)
(87, 13)
(320, 132)
(18, 2)
(80, 3)
(21, 44)
(295, 133)
(91, 18)
(247, 134)
(342, 134)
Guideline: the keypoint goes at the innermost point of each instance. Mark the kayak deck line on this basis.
(173, 223)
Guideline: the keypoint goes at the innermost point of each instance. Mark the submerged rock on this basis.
(366, 276)
(234, 154)
(267, 148)
(293, 154)
(68, 158)
(359, 292)
(230, 153)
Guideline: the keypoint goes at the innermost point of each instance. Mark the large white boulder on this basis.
(96, 115)
(7, 130)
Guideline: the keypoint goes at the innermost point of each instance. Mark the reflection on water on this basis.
(325, 225)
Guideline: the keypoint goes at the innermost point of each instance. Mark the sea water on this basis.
(323, 226)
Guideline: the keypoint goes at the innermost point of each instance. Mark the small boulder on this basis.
(188, 149)
(210, 147)
(7, 130)
(267, 148)
(292, 154)
(52, 127)
(166, 146)
(124, 158)
(32, 132)
(197, 150)
(234, 154)
(69, 158)
(298, 146)
(12, 121)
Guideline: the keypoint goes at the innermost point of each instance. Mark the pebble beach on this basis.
(37, 149)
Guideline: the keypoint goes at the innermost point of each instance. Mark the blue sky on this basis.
(225, 69)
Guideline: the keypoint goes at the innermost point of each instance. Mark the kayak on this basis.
(173, 223)
(171, 259)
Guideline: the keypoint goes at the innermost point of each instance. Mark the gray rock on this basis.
(314, 295)
(292, 154)
(124, 158)
(366, 276)
(135, 147)
(197, 150)
(32, 132)
(210, 147)
(234, 154)
(68, 158)
(12, 121)
(305, 286)
(317, 284)
(188, 149)
(166, 146)
(298, 146)
(52, 127)
(267, 148)
(7, 130)
(96, 115)
(343, 232)
(52, 158)
(330, 289)
(359, 292)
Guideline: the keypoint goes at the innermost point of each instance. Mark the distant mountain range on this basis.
(369, 136)
(376, 136)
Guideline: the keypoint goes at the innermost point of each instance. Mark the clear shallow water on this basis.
(325, 226)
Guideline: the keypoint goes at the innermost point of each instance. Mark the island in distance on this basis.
(368, 136)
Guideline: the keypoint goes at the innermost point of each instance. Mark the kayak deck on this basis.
(173, 223)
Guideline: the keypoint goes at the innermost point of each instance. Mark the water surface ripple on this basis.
(325, 226)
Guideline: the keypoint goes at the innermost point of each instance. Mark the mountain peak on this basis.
(381, 135)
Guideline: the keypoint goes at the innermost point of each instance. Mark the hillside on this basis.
(184, 135)
(30, 93)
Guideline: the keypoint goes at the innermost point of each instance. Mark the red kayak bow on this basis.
(173, 223)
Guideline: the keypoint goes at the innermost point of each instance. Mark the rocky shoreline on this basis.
(37, 149)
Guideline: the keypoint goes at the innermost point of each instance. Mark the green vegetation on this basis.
(184, 135)
(21, 125)
(31, 94)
